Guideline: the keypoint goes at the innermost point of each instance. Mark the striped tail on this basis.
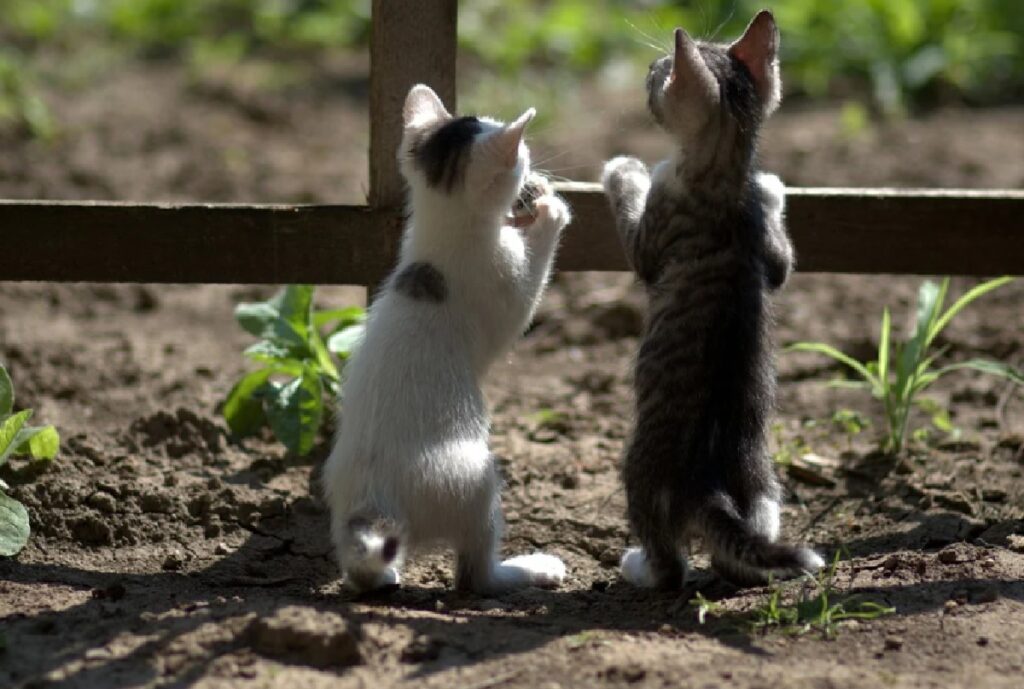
(745, 556)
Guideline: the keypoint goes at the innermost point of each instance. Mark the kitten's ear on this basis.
(506, 142)
(422, 107)
(758, 49)
(688, 69)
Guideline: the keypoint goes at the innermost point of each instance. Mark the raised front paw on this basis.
(552, 213)
(773, 191)
(622, 173)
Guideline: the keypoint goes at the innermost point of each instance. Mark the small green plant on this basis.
(17, 438)
(296, 343)
(822, 611)
(903, 370)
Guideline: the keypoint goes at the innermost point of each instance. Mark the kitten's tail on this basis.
(371, 550)
(745, 556)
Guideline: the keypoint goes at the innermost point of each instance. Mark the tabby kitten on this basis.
(705, 235)
(410, 466)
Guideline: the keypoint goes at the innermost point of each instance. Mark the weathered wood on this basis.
(411, 42)
(834, 230)
(949, 231)
(125, 242)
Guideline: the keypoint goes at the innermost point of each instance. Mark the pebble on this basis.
(893, 643)
(174, 561)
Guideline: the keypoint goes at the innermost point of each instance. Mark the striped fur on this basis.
(704, 233)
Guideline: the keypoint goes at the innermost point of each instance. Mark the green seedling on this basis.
(851, 423)
(904, 370)
(17, 438)
(297, 369)
(822, 611)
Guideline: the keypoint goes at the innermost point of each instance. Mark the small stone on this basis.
(950, 606)
(221, 549)
(1015, 543)
(173, 561)
(948, 556)
(891, 563)
(893, 643)
(988, 563)
(609, 557)
(957, 502)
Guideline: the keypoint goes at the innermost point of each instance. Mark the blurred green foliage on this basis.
(890, 54)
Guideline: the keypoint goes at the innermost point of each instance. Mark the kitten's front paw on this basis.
(621, 172)
(773, 190)
(552, 213)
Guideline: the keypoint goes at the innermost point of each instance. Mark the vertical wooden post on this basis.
(411, 42)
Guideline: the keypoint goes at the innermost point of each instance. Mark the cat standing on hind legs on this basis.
(410, 466)
(705, 235)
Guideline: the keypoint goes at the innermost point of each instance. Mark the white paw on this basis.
(552, 212)
(634, 568)
(773, 190)
(623, 170)
(810, 561)
(538, 569)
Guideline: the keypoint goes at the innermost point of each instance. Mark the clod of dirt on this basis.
(893, 643)
(180, 433)
(91, 530)
(306, 636)
(174, 561)
(104, 502)
(957, 502)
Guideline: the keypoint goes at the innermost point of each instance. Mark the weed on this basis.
(287, 392)
(38, 443)
(818, 607)
(903, 370)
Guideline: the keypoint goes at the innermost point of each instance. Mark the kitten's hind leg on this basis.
(478, 568)
(626, 182)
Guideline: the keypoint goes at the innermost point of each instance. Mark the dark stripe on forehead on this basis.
(444, 154)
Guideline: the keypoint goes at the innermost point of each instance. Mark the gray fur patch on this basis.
(421, 281)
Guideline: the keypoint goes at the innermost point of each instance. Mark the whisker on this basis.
(725, 21)
(656, 45)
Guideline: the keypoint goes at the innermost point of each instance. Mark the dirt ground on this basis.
(165, 553)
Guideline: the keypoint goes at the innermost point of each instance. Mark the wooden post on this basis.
(411, 42)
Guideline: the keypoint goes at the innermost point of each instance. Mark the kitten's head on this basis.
(476, 162)
(713, 93)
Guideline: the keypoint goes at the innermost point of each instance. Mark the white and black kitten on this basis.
(410, 465)
(705, 235)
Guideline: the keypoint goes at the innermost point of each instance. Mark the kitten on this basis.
(705, 235)
(410, 465)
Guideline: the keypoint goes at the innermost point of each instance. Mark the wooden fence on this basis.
(834, 230)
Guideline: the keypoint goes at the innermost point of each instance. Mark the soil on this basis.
(166, 553)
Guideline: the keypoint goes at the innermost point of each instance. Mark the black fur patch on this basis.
(443, 156)
(421, 281)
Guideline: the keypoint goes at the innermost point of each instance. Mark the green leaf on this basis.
(995, 368)
(962, 302)
(295, 410)
(343, 342)
(6, 393)
(243, 408)
(342, 318)
(294, 303)
(9, 429)
(938, 413)
(323, 357)
(256, 318)
(883, 349)
(830, 351)
(39, 442)
(269, 352)
(14, 530)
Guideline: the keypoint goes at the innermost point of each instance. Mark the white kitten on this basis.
(410, 466)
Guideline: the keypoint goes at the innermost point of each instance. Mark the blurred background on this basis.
(266, 100)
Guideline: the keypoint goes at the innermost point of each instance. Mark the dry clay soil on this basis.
(166, 553)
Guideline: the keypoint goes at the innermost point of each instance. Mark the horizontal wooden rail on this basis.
(834, 230)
